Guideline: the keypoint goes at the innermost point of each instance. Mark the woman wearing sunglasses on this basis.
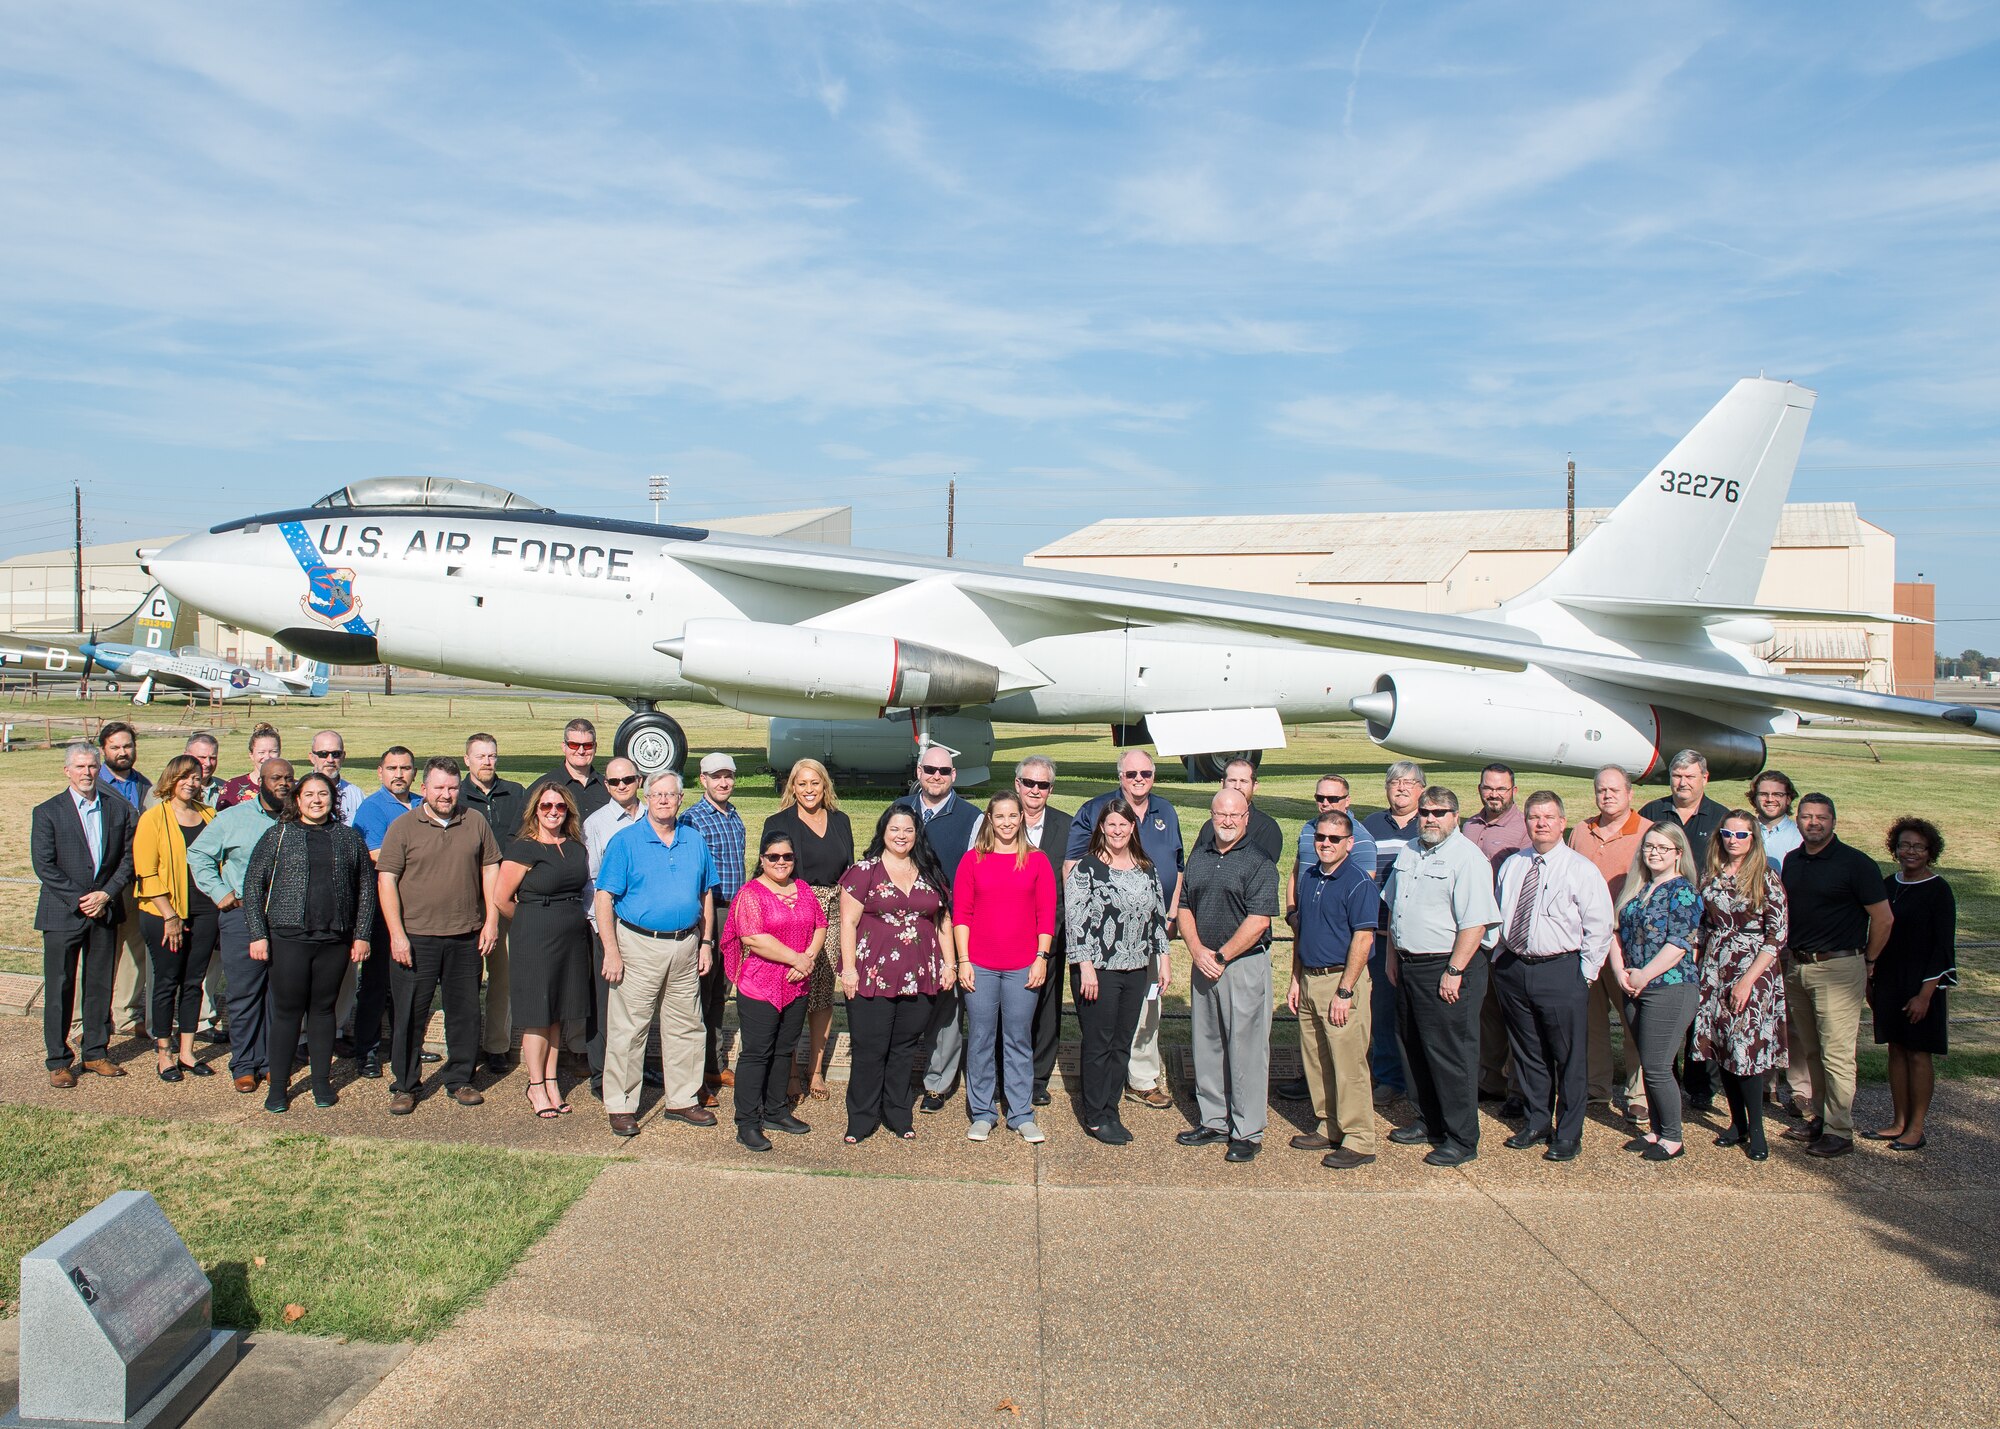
(542, 880)
(771, 943)
(1739, 1022)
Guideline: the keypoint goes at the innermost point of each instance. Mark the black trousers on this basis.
(1441, 1045)
(1108, 1022)
(1746, 1106)
(1547, 1006)
(177, 975)
(764, 1057)
(884, 1037)
(304, 982)
(92, 949)
(371, 992)
(1696, 1083)
(450, 965)
(714, 997)
(1047, 1027)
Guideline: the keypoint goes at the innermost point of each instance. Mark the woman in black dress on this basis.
(1907, 982)
(542, 880)
(809, 815)
(308, 906)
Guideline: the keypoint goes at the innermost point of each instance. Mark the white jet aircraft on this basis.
(1635, 646)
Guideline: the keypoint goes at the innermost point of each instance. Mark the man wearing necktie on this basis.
(1555, 910)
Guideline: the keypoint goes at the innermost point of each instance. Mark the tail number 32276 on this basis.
(1712, 488)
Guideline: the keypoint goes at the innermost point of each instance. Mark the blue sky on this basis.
(1094, 258)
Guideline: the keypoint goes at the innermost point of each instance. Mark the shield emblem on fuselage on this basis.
(329, 596)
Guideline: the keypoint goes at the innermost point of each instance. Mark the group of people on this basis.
(586, 912)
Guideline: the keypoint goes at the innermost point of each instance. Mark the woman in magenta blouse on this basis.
(770, 942)
(1004, 915)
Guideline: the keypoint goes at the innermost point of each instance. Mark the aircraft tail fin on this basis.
(159, 622)
(320, 671)
(1699, 527)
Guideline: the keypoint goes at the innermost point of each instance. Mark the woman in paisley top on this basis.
(1117, 923)
(1653, 958)
(1739, 1024)
(895, 957)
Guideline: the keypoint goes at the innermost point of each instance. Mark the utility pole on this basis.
(950, 517)
(78, 489)
(1572, 505)
(657, 490)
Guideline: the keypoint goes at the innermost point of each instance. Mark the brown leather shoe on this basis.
(624, 1123)
(402, 1104)
(725, 1078)
(62, 1077)
(1155, 1097)
(692, 1115)
(708, 1095)
(247, 1083)
(1310, 1141)
(103, 1068)
(466, 1096)
(1341, 1159)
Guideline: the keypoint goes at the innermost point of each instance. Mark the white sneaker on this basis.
(979, 1131)
(1031, 1133)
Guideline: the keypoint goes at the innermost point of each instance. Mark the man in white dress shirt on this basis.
(1555, 933)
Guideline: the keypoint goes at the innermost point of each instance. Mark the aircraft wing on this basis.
(1077, 601)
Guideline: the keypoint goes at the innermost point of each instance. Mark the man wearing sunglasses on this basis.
(578, 770)
(946, 822)
(1160, 837)
(714, 816)
(1330, 796)
(1442, 915)
(329, 757)
(503, 803)
(1335, 915)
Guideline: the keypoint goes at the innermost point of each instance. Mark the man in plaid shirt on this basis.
(721, 828)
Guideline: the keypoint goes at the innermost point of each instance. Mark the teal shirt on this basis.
(219, 858)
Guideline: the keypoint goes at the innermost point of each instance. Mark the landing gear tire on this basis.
(1207, 768)
(652, 741)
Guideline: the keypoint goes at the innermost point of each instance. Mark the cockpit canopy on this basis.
(430, 491)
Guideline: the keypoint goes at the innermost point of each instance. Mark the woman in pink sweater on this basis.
(1004, 915)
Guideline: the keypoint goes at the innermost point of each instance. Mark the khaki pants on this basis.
(496, 1011)
(1336, 1061)
(1607, 1000)
(660, 978)
(1826, 1000)
(1146, 1070)
(132, 978)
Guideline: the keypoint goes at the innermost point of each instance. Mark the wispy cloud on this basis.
(1148, 42)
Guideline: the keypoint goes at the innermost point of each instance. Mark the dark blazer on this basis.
(949, 831)
(1054, 844)
(61, 856)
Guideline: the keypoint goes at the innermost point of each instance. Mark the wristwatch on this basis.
(1345, 994)
(1450, 971)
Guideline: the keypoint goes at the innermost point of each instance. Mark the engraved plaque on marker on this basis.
(114, 1311)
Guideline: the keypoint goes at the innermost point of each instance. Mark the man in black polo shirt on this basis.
(1839, 921)
(1699, 817)
(578, 770)
(502, 802)
(1262, 832)
(1229, 897)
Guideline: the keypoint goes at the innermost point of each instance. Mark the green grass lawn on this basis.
(376, 1240)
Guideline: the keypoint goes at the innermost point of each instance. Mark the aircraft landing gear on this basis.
(1207, 768)
(651, 740)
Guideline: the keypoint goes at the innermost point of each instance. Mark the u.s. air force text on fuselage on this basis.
(530, 554)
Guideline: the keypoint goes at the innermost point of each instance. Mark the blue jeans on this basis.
(1385, 1053)
(1000, 1008)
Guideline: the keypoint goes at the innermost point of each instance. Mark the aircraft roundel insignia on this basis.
(239, 679)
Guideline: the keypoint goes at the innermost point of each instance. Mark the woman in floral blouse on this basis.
(895, 957)
(1740, 1022)
(1653, 958)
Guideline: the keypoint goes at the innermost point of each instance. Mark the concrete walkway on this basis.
(940, 1283)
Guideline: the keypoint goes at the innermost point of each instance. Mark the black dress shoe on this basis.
(1242, 1151)
(1042, 1097)
(933, 1101)
(787, 1123)
(1113, 1134)
(1201, 1136)
(1658, 1152)
(430, 1058)
(1732, 1137)
(1565, 1150)
(751, 1137)
(1513, 1109)
(1757, 1153)
(1450, 1156)
(1828, 1147)
(1341, 1159)
(1414, 1135)
(214, 1036)
(1295, 1090)
(1522, 1140)
(370, 1066)
(171, 1072)
(498, 1064)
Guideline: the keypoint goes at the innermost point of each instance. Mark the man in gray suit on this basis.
(81, 845)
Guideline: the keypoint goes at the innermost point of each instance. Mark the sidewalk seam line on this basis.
(1041, 1302)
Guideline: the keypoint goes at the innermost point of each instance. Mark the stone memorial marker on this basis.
(115, 1323)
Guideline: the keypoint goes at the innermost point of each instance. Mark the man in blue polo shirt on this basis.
(1337, 908)
(655, 902)
(366, 991)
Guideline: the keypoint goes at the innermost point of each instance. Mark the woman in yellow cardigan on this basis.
(177, 920)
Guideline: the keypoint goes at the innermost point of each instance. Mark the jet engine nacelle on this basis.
(806, 673)
(1544, 724)
(880, 751)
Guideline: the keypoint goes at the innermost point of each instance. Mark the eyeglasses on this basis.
(934, 769)
(1733, 834)
(780, 858)
(1036, 783)
(1135, 774)
(329, 754)
(1331, 838)
(579, 744)
(623, 781)
(1435, 813)
(557, 805)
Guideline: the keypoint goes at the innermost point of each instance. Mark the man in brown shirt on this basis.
(1610, 840)
(438, 872)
